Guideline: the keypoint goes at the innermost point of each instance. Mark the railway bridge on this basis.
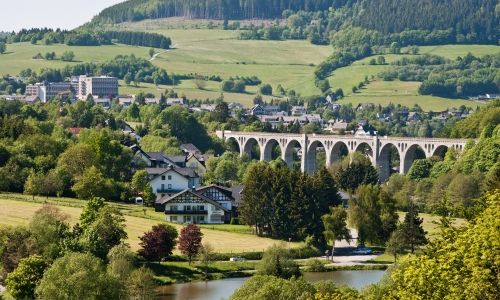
(378, 149)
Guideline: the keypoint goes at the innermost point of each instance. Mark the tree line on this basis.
(465, 76)
(122, 66)
(83, 38)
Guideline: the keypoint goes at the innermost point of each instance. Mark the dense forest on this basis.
(467, 19)
(135, 10)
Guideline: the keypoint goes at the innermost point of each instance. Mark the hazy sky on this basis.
(65, 14)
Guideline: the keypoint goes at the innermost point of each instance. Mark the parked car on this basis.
(236, 258)
(363, 251)
(139, 201)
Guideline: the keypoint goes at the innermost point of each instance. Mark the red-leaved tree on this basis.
(158, 243)
(190, 241)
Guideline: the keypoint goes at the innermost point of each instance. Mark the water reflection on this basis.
(222, 289)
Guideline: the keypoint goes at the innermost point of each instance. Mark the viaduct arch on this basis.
(378, 149)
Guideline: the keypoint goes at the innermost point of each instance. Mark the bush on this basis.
(235, 221)
(315, 265)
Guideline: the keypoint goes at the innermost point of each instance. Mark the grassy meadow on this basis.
(18, 209)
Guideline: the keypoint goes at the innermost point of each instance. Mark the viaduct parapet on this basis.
(378, 149)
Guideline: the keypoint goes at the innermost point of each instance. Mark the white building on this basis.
(101, 87)
(188, 206)
(171, 180)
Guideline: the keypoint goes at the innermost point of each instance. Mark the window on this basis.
(201, 219)
(187, 207)
(169, 177)
(174, 207)
(173, 218)
(162, 187)
(169, 186)
(187, 219)
(201, 207)
(163, 177)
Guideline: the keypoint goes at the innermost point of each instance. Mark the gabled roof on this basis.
(166, 199)
(190, 148)
(227, 191)
(185, 172)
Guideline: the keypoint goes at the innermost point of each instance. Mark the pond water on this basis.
(222, 289)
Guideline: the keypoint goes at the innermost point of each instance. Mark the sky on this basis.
(64, 14)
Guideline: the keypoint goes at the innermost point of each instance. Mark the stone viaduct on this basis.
(377, 148)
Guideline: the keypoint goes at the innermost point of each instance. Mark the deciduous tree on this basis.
(158, 243)
(21, 283)
(190, 241)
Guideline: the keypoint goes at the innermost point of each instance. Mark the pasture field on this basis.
(18, 209)
(404, 93)
(188, 88)
(19, 56)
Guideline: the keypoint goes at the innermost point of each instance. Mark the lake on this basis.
(222, 289)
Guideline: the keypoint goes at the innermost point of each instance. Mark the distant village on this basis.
(104, 91)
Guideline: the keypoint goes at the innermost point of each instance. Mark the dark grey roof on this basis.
(237, 190)
(177, 159)
(186, 172)
(191, 148)
(156, 155)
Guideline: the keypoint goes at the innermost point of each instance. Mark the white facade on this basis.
(172, 182)
(100, 87)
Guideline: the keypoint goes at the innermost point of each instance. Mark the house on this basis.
(274, 121)
(152, 159)
(298, 110)
(257, 110)
(190, 149)
(314, 118)
(367, 130)
(172, 180)
(365, 106)
(208, 107)
(149, 101)
(175, 101)
(335, 107)
(198, 163)
(189, 206)
(271, 109)
(221, 195)
(337, 127)
(126, 100)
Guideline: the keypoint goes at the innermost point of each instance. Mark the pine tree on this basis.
(413, 232)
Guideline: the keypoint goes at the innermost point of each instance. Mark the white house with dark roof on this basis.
(172, 180)
(190, 206)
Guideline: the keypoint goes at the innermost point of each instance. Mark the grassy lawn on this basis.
(18, 209)
(175, 272)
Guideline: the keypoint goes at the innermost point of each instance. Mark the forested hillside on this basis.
(468, 20)
(472, 17)
(134, 10)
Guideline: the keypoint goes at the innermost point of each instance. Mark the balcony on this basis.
(167, 191)
(186, 212)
